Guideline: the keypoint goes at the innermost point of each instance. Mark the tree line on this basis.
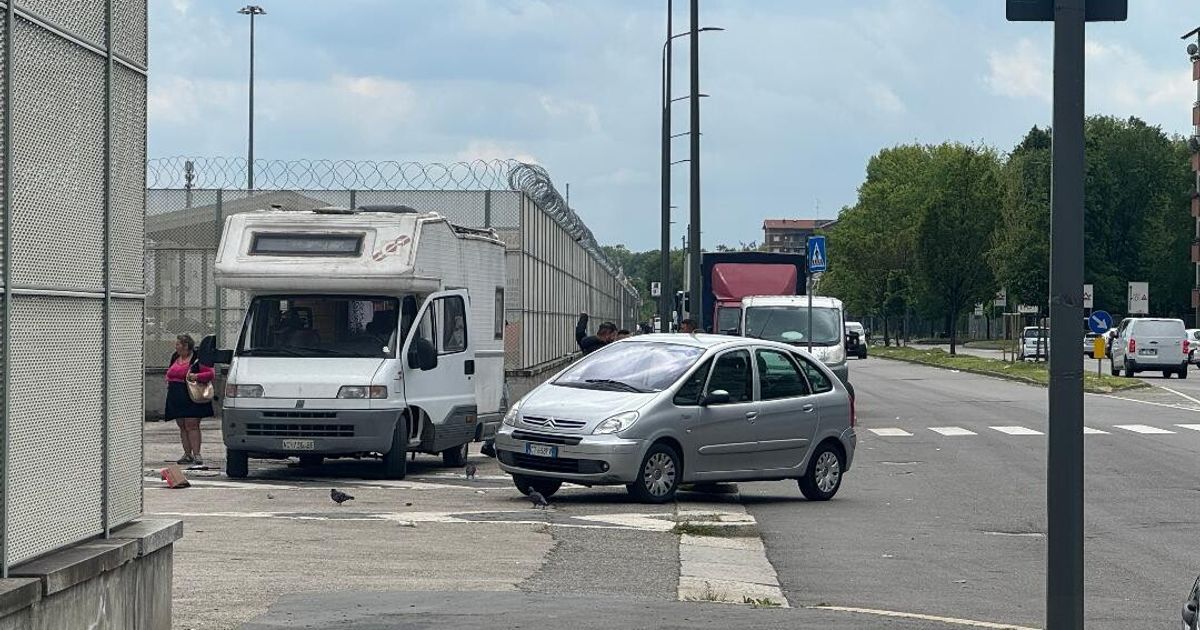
(937, 229)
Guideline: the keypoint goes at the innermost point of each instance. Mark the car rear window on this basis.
(1153, 328)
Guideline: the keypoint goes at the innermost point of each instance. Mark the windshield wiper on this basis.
(618, 384)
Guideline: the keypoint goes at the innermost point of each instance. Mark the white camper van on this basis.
(375, 331)
(785, 318)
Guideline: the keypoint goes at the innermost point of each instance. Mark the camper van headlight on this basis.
(363, 391)
(617, 423)
(837, 354)
(233, 390)
(510, 417)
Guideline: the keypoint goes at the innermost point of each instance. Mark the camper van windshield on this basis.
(320, 326)
(790, 324)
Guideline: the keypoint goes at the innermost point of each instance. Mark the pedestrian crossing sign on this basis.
(817, 260)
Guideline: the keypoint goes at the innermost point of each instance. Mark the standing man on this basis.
(605, 334)
(687, 326)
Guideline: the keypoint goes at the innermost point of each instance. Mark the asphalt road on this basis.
(953, 524)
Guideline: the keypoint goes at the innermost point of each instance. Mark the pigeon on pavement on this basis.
(339, 497)
(471, 469)
(538, 500)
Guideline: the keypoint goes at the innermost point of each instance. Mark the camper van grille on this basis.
(300, 430)
(308, 415)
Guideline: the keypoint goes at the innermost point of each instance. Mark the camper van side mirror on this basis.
(422, 355)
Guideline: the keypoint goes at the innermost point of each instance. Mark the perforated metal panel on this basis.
(54, 442)
(129, 180)
(125, 412)
(129, 29)
(58, 150)
(86, 23)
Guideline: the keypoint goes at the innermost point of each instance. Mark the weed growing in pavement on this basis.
(709, 595)
(765, 602)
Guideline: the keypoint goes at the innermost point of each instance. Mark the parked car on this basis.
(656, 411)
(1193, 337)
(1035, 343)
(1089, 344)
(856, 340)
(1151, 344)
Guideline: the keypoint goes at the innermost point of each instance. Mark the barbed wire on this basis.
(199, 173)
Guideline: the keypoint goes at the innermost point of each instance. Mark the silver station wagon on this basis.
(656, 411)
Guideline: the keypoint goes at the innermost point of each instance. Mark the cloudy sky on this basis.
(802, 92)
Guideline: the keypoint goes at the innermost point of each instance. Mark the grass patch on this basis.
(992, 344)
(765, 602)
(709, 595)
(1033, 373)
(713, 530)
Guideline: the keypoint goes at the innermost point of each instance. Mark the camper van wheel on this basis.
(237, 464)
(395, 464)
(456, 457)
(311, 461)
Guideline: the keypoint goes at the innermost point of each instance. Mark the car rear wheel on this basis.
(824, 475)
(1168, 373)
(658, 476)
(1128, 369)
(526, 484)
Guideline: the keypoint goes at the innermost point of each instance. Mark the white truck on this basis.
(785, 318)
(369, 332)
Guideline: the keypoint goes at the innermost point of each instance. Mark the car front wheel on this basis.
(824, 475)
(546, 487)
(658, 476)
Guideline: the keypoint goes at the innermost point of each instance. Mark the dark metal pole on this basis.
(1064, 481)
(667, 297)
(694, 238)
(250, 150)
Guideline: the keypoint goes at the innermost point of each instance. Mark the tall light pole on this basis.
(251, 10)
(694, 303)
(1193, 51)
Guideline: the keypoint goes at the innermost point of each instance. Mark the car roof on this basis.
(706, 341)
(821, 301)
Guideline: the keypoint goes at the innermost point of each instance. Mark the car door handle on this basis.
(751, 415)
(808, 408)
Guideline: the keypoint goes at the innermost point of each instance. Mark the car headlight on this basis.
(617, 423)
(243, 391)
(510, 417)
(363, 391)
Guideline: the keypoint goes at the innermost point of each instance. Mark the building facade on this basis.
(788, 236)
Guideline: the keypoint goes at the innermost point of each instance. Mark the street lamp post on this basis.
(1193, 50)
(694, 303)
(251, 10)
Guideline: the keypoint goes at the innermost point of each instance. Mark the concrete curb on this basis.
(730, 569)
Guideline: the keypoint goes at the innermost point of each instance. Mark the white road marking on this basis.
(1180, 394)
(952, 431)
(918, 616)
(1143, 428)
(1091, 431)
(1193, 427)
(890, 432)
(1148, 402)
(1014, 430)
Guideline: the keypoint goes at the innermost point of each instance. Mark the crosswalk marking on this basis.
(1143, 428)
(890, 432)
(1016, 430)
(1091, 431)
(1194, 427)
(952, 431)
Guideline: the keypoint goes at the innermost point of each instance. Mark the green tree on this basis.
(1020, 253)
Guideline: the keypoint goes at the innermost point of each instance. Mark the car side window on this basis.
(732, 373)
(453, 318)
(691, 390)
(816, 378)
(778, 376)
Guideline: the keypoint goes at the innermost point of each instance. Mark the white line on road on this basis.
(890, 432)
(1178, 393)
(1148, 402)
(952, 431)
(1193, 427)
(1016, 430)
(1091, 431)
(1142, 428)
(918, 616)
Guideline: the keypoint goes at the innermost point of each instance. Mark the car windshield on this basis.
(634, 367)
(1033, 333)
(320, 326)
(729, 320)
(789, 324)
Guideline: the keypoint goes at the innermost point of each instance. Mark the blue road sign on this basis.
(1100, 322)
(817, 260)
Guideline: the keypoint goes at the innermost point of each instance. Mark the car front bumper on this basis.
(594, 460)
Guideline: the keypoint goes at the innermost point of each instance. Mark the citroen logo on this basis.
(299, 404)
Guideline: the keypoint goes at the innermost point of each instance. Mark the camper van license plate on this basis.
(298, 445)
(541, 450)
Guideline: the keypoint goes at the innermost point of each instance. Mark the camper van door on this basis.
(439, 359)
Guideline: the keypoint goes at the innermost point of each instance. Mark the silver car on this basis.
(656, 411)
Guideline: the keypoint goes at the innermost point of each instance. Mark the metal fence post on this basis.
(106, 318)
(487, 208)
(6, 280)
(353, 199)
(218, 228)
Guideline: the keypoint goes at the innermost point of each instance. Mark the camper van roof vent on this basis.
(333, 210)
(395, 209)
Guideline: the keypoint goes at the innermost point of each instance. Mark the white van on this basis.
(375, 331)
(1146, 344)
(784, 318)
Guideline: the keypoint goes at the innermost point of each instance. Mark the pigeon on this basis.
(538, 500)
(339, 497)
(471, 469)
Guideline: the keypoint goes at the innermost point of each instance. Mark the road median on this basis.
(1031, 373)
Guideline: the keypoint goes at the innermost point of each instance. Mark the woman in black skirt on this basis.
(186, 367)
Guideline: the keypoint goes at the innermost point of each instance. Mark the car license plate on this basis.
(298, 445)
(1148, 352)
(541, 450)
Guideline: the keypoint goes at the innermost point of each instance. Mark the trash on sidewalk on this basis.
(174, 477)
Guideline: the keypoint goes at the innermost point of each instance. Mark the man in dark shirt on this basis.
(687, 326)
(606, 334)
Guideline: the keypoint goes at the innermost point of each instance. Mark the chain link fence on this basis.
(555, 267)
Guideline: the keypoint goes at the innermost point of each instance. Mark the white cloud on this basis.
(487, 150)
(585, 113)
(1021, 72)
(885, 99)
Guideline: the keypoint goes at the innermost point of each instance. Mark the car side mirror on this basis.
(717, 397)
(422, 355)
(223, 356)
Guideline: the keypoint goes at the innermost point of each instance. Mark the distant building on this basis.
(787, 236)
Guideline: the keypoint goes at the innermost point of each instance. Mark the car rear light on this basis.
(1132, 345)
(1186, 346)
